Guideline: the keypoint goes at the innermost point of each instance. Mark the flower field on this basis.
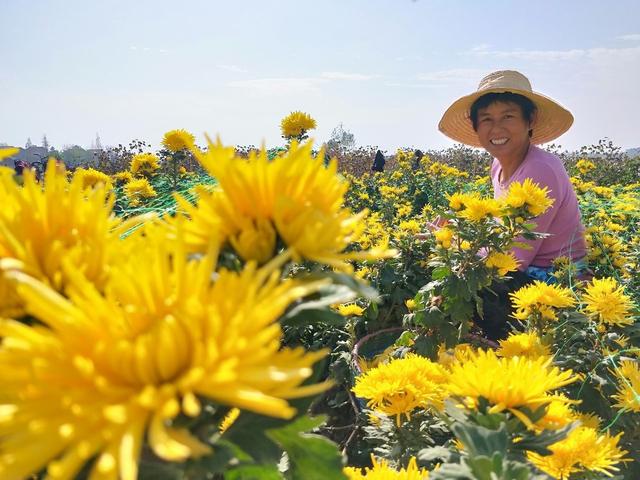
(208, 313)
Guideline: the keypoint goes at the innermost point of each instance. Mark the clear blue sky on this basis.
(386, 69)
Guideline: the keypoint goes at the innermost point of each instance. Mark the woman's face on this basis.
(503, 131)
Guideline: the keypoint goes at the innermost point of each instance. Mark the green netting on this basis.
(164, 202)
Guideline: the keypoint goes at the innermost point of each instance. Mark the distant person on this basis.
(378, 162)
(18, 168)
(508, 119)
(417, 156)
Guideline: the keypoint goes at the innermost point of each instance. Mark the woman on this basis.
(508, 119)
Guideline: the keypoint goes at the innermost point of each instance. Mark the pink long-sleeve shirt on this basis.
(562, 221)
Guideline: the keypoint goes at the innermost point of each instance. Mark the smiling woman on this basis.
(507, 118)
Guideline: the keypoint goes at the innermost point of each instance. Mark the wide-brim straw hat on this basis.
(553, 119)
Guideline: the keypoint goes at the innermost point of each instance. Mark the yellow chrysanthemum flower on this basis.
(628, 395)
(503, 262)
(402, 385)
(144, 164)
(523, 345)
(443, 236)
(8, 152)
(458, 201)
(177, 140)
(529, 195)
(138, 189)
(292, 197)
(43, 226)
(558, 415)
(585, 166)
(123, 177)
(296, 124)
(476, 209)
(350, 309)
(507, 383)
(583, 450)
(459, 353)
(541, 298)
(606, 302)
(92, 178)
(114, 369)
(382, 471)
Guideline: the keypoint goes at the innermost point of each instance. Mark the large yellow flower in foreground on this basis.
(42, 226)
(8, 152)
(476, 209)
(606, 302)
(541, 298)
(628, 395)
(507, 383)
(402, 385)
(527, 195)
(382, 471)
(100, 374)
(293, 197)
(296, 124)
(584, 450)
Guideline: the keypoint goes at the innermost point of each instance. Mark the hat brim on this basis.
(552, 118)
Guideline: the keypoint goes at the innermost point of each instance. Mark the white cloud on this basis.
(633, 37)
(232, 68)
(345, 76)
(557, 55)
(455, 75)
(280, 85)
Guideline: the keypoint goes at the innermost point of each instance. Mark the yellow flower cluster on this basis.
(542, 299)
(438, 168)
(584, 166)
(528, 195)
(403, 385)
(584, 450)
(138, 189)
(526, 344)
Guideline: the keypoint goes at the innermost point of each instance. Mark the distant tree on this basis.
(45, 142)
(29, 144)
(341, 141)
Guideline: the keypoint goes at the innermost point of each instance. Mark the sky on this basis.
(385, 69)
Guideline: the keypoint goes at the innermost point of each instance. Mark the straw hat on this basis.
(553, 119)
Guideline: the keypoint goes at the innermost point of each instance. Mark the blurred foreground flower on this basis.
(42, 226)
(99, 374)
(293, 198)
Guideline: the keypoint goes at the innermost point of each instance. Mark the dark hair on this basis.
(526, 105)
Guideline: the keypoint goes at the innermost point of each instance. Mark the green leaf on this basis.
(440, 272)
(307, 314)
(311, 457)
(253, 472)
(480, 440)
